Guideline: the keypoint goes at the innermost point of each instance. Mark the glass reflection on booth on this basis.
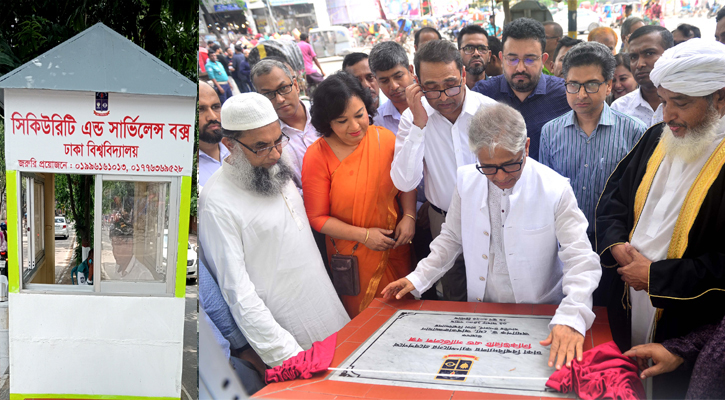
(135, 218)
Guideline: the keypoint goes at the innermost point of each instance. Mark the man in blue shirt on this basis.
(538, 97)
(587, 143)
(216, 74)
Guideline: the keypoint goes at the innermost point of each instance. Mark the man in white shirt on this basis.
(274, 81)
(127, 267)
(646, 46)
(660, 218)
(432, 140)
(211, 151)
(389, 64)
(521, 232)
(256, 240)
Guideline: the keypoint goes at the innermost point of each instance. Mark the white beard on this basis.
(263, 181)
(696, 140)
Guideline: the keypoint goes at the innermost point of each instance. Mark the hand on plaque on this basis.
(636, 273)
(663, 360)
(566, 343)
(399, 288)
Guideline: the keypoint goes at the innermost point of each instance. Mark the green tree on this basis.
(165, 28)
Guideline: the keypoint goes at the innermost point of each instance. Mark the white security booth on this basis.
(99, 105)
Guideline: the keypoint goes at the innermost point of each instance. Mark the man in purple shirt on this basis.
(308, 54)
(211, 151)
(538, 97)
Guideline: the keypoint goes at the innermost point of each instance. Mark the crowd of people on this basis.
(533, 169)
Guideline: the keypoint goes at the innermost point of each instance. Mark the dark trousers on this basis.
(454, 281)
(227, 93)
(243, 85)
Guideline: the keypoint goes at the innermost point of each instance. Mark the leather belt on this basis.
(438, 210)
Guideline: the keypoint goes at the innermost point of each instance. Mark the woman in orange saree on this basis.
(349, 195)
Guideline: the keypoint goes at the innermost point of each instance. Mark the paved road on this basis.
(190, 368)
(64, 249)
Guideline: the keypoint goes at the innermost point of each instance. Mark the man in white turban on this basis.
(256, 240)
(661, 218)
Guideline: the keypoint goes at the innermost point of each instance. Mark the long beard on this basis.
(265, 182)
(695, 142)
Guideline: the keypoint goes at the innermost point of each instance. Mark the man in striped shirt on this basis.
(587, 143)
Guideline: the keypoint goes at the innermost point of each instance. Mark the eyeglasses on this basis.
(528, 61)
(470, 49)
(589, 87)
(286, 89)
(493, 170)
(450, 92)
(279, 144)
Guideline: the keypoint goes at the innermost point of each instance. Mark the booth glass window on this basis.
(32, 225)
(134, 234)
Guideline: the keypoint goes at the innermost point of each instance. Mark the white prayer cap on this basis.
(247, 111)
(694, 68)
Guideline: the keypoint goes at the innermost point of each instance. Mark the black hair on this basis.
(720, 15)
(303, 36)
(525, 28)
(352, 59)
(688, 31)
(331, 97)
(214, 47)
(494, 44)
(590, 53)
(386, 56)
(238, 48)
(623, 60)
(437, 51)
(566, 41)
(666, 41)
(470, 30)
(421, 31)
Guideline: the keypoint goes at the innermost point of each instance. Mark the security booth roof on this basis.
(99, 60)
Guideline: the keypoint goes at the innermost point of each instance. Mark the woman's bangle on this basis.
(408, 215)
(367, 235)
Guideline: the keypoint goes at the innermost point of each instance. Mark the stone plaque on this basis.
(494, 353)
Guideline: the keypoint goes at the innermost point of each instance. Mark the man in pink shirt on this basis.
(308, 54)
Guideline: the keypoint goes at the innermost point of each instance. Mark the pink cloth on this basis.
(305, 363)
(604, 373)
(308, 54)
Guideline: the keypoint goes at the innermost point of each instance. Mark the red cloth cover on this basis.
(604, 373)
(305, 363)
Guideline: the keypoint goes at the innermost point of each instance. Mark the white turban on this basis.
(694, 68)
(247, 111)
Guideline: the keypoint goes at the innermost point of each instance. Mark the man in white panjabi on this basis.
(256, 240)
(661, 218)
(521, 233)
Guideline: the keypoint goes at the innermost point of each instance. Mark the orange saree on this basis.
(357, 191)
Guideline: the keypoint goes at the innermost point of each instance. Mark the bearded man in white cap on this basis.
(661, 219)
(256, 240)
